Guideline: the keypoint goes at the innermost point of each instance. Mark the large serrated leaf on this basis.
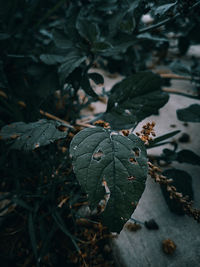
(99, 154)
(134, 99)
(28, 136)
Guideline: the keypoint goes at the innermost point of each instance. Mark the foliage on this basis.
(49, 52)
(192, 113)
(25, 136)
(100, 155)
(183, 182)
(134, 99)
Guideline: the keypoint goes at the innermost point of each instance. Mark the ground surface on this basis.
(144, 247)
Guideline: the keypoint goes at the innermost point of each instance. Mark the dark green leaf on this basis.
(96, 77)
(21, 203)
(148, 36)
(28, 136)
(72, 61)
(31, 228)
(163, 9)
(183, 45)
(162, 138)
(88, 30)
(183, 182)
(180, 68)
(134, 99)
(190, 114)
(100, 47)
(61, 224)
(187, 156)
(50, 59)
(61, 40)
(4, 36)
(114, 22)
(85, 84)
(98, 155)
(128, 25)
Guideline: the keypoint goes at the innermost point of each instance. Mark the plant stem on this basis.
(53, 117)
(174, 91)
(174, 76)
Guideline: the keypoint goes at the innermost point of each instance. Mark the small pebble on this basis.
(173, 125)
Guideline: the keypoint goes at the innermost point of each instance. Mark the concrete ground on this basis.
(144, 247)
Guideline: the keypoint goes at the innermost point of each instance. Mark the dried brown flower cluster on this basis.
(186, 204)
(125, 132)
(102, 124)
(133, 227)
(147, 132)
(168, 246)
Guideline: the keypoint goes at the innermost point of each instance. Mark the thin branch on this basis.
(85, 125)
(159, 24)
(53, 117)
(174, 76)
(174, 91)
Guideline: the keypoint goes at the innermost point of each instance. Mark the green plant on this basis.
(49, 51)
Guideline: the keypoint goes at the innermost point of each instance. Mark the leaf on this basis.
(32, 234)
(163, 9)
(161, 138)
(134, 99)
(183, 182)
(51, 59)
(128, 25)
(148, 36)
(180, 68)
(85, 84)
(4, 36)
(61, 40)
(73, 60)
(183, 45)
(28, 136)
(100, 154)
(189, 114)
(96, 77)
(100, 47)
(88, 30)
(61, 224)
(187, 156)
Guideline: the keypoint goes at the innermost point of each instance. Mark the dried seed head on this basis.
(168, 246)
